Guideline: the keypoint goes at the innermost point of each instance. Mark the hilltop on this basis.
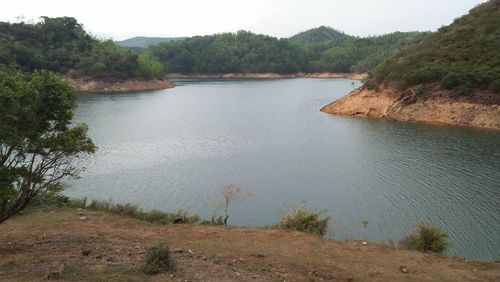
(106, 247)
(320, 34)
(451, 76)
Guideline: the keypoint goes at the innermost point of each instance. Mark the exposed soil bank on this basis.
(482, 110)
(356, 76)
(83, 84)
(107, 247)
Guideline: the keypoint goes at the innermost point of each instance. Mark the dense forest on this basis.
(246, 52)
(463, 56)
(62, 45)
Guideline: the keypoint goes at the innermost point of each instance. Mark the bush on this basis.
(426, 237)
(221, 220)
(303, 220)
(158, 259)
(419, 90)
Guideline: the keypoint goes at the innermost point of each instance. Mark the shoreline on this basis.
(85, 84)
(354, 76)
(440, 108)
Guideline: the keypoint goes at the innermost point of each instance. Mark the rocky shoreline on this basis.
(355, 76)
(84, 84)
(442, 107)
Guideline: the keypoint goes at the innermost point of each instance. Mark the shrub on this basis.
(216, 221)
(426, 237)
(419, 90)
(158, 259)
(303, 220)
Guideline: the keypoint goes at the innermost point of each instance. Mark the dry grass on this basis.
(108, 247)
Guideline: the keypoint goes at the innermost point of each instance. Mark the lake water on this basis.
(174, 149)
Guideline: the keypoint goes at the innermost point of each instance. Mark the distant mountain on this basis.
(144, 42)
(319, 34)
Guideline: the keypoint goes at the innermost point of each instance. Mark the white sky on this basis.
(281, 18)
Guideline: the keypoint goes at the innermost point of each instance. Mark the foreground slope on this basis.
(450, 77)
(107, 247)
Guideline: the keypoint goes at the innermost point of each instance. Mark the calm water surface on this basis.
(175, 148)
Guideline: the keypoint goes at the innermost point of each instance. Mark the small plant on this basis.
(158, 259)
(426, 237)
(230, 194)
(419, 90)
(303, 220)
(365, 225)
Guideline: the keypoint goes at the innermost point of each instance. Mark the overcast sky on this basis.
(121, 19)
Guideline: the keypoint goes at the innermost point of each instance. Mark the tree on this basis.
(38, 145)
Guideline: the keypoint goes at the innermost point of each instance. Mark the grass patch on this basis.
(70, 273)
(154, 216)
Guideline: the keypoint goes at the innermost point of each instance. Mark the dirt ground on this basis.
(57, 244)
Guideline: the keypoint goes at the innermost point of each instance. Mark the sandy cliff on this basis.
(92, 85)
(435, 106)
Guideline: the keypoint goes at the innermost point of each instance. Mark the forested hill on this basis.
(246, 52)
(319, 34)
(144, 42)
(464, 56)
(62, 45)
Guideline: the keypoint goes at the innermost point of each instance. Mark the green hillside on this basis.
(144, 42)
(464, 56)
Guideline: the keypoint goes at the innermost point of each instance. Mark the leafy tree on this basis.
(37, 143)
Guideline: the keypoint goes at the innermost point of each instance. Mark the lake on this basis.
(174, 149)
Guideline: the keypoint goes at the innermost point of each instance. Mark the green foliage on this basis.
(154, 216)
(37, 143)
(149, 66)
(303, 220)
(426, 237)
(62, 45)
(158, 259)
(462, 57)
